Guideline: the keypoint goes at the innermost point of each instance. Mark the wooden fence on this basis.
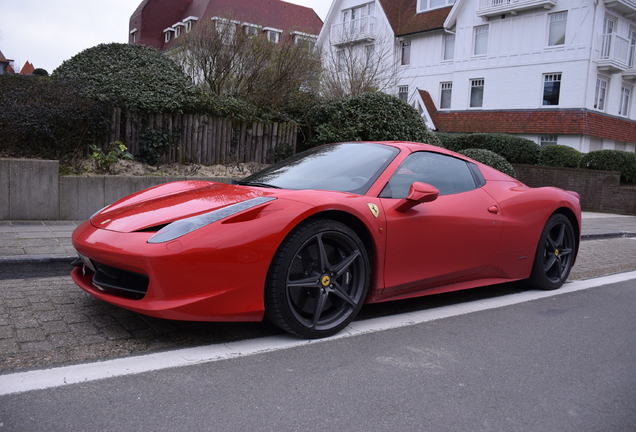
(205, 140)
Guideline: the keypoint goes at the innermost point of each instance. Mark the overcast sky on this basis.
(47, 32)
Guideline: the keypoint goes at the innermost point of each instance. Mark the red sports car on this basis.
(309, 240)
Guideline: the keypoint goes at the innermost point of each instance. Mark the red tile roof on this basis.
(405, 21)
(152, 17)
(543, 121)
(3, 58)
(27, 69)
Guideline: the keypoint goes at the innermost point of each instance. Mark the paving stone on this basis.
(35, 235)
(30, 335)
(103, 321)
(115, 332)
(6, 332)
(42, 306)
(11, 251)
(39, 242)
(44, 250)
(63, 340)
(8, 346)
(17, 303)
(35, 227)
(133, 323)
(84, 329)
(51, 327)
(44, 316)
(74, 318)
(92, 339)
(39, 346)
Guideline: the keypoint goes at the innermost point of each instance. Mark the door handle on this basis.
(493, 209)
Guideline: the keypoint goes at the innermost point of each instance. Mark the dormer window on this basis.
(251, 29)
(426, 5)
(188, 22)
(168, 34)
(304, 38)
(273, 34)
(226, 28)
(177, 29)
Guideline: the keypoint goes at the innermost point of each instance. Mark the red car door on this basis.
(451, 239)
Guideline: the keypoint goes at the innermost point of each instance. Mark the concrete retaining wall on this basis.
(33, 190)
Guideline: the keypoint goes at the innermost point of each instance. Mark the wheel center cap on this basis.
(556, 252)
(325, 280)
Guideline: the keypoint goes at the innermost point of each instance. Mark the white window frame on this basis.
(353, 17)
(251, 30)
(403, 93)
(189, 22)
(167, 34)
(369, 53)
(554, 26)
(425, 5)
(273, 34)
(625, 100)
(405, 53)
(600, 93)
(551, 78)
(445, 88)
(449, 41)
(548, 139)
(133, 36)
(475, 84)
(480, 36)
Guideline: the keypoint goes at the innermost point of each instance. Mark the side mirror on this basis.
(418, 193)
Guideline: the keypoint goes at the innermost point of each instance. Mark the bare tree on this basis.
(355, 65)
(231, 60)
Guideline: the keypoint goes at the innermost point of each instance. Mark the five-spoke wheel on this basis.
(318, 279)
(555, 254)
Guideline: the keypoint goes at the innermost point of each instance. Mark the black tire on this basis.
(318, 279)
(555, 254)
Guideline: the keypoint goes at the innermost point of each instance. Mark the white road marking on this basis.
(56, 377)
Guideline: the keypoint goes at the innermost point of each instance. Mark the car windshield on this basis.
(344, 167)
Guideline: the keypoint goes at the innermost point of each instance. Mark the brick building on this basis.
(160, 23)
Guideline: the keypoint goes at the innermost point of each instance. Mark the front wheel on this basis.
(318, 280)
(555, 254)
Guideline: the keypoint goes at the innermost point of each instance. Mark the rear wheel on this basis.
(555, 254)
(318, 279)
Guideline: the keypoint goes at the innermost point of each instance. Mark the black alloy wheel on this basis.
(318, 280)
(555, 254)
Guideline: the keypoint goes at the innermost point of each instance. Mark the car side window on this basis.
(448, 174)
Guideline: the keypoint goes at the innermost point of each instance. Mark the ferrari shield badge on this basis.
(375, 211)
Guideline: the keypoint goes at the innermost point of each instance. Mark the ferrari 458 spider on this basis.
(311, 239)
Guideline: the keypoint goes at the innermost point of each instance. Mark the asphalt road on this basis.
(560, 363)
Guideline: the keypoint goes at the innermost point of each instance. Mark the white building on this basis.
(554, 71)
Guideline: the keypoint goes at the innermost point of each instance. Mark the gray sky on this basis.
(47, 32)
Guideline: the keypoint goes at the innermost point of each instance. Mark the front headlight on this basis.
(184, 226)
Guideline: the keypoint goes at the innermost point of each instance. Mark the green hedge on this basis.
(612, 160)
(491, 159)
(43, 118)
(367, 117)
(560, 156)
(515, 150)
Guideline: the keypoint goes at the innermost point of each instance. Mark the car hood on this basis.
(168, 202)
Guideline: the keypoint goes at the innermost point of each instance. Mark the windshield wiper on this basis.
(256, 184)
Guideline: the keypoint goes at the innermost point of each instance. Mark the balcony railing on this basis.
(358, 30)
(627, 7)
(488, 8)
(617, 53)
